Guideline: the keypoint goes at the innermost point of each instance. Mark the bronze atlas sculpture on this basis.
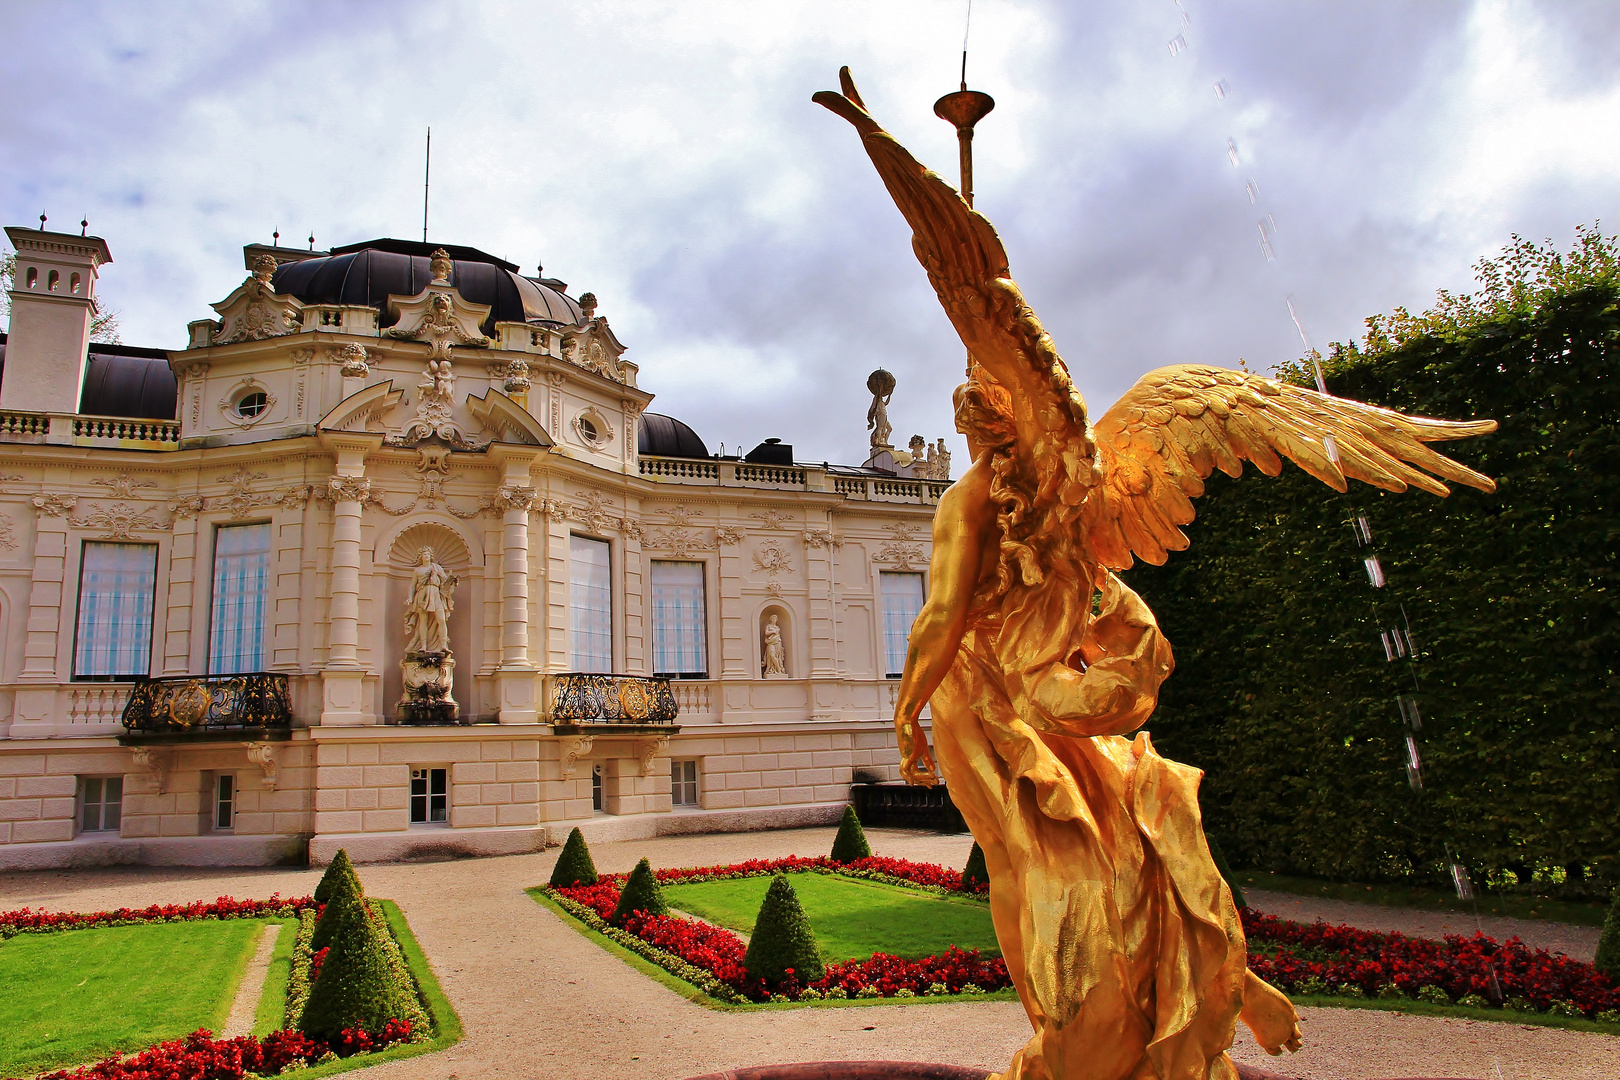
(1038, 661)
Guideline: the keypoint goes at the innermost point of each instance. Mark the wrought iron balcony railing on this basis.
(178, 704)
(583, 698)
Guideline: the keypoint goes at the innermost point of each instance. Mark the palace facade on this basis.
(393, 557)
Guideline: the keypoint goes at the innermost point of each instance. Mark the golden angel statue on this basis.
(1039, 663)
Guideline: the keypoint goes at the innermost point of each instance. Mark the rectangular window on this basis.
(430, 796)
(683, 785)
(596, 788)
(117, 584)
(224, 802)
(241, 590)
(680, 621)
(590, 604)
(902, 600)
(101, 803)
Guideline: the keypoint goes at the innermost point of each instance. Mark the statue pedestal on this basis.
(429, 680)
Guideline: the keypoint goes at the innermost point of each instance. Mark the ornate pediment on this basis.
(255, 311)
(363, 408)
(592, 346)
(509, 421)
(439, 317)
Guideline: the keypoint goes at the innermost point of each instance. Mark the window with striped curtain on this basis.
(241, 593)
(590, 604)
(117, 589)
(902, 601)
(680, 622)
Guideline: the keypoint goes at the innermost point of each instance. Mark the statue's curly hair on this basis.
(984, 412)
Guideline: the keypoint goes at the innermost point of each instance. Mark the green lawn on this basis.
(852, 919)
(77, 996)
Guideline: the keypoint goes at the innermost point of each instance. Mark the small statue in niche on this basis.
(775, 652)
(429, 667)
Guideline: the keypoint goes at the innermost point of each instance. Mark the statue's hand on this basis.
(916, 760)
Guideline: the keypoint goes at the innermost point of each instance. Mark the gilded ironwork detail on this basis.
(259, 699)
(585, 698)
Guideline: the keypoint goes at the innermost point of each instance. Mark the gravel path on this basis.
(244, 1010)
(540, 1000)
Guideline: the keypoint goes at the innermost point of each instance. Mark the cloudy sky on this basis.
(667, 157)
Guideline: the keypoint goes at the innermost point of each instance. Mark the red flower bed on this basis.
(199, 1056)
(26, 920)
(720, 952)
(1342, 957)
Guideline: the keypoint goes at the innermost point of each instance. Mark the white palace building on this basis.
(393, 558)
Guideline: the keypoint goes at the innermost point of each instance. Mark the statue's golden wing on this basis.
(1160, 441)
(968, 268)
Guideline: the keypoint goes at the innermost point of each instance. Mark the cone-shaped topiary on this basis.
(850, 843)
(1608, 950)
(782, 939)
(345, 887)
(641, 893)
(574, 865)
(1226, 873)
(357, 988)
(975, 873)
(339, 867)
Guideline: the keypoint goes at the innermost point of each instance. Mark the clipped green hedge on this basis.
(364, 981)
(574, 865)
(975, 873)
(640, 893)
(339, 870)
(1282, 690)
(782, 940)
(341, 889)
(850, 843)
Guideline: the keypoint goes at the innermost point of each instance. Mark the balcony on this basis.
(699, 472)
(623, 702)
(73, 429)
(256, 705)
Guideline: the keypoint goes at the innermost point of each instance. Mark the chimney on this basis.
(53, 297)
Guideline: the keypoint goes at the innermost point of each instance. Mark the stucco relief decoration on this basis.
(510, 497)
(186, 507)
(576, 749)
(595, 514)
(352, 361)
(648, 751)
(513, 375)
(441, 325)
(154, 763)
(120, 520)
(195, 375)
(591, 345)
(902, 551)
(771, 560)
(54, 504)
(440, 266)
(348, 489)
(301, 359)
(681, 538)
(240, 500)
(773, 519)
(728, 535)
(255, 311)
(8, 533)
(264, 756)
(593, 428)
(822, 538)
(435, 399)
(233, 413)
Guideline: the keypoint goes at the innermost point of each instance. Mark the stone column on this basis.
(343, 680)
(516, 498)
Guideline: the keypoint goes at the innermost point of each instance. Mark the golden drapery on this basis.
(1117, 929)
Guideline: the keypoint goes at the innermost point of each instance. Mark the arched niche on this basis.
(784, 621)
(396, 555)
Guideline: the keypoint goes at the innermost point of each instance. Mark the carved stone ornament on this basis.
(240, 500)
(773, 519)
(647, 750)
(123, 486)
(120, 521)
(592, 345)
(434, 402)
(264, 756)
(352, 361)
(900, 555)
(439, 265)
(516, 498)
(154, 763)
(440, 318)
(54, 504)
(595, 514)
(233, 415)
(8, 533)
(772, 560)
(513, 375)
(728, 535)
(255, 311)
(680, 542)
(349, 489)
(575, 749)
(822, 538)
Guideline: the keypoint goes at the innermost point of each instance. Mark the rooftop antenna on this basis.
(427, 172)
(964, 108)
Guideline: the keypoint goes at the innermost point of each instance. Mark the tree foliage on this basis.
(850, 843)
(360, 985)
(640, 893)
(339, 867)
(1283, 692)
(340, 889)
(574, 865)
(782, 941)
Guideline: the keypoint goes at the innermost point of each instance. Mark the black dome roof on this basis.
(665, 436)
(368, 273)
(121, 380)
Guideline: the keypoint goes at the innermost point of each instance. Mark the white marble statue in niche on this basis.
(774, 652)
(429, 667)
